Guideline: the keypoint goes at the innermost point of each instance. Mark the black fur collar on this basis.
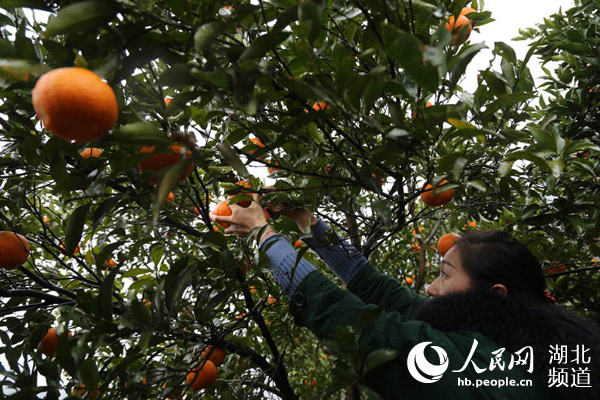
(518, 321)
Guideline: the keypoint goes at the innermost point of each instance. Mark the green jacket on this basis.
(322, 306)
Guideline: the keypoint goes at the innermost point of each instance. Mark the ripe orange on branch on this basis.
(164, 160)
(243, 203)
(256, 142)
(50, 342)
(466, 11)
(214, 354)
(90, 152)
(460, 28)
(437, 197)
(14, 250)
(319, 106)
(202, 377)
(75, 104)
(446, 242)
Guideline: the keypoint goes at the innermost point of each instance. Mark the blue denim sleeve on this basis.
(343, 259)
(288, 271)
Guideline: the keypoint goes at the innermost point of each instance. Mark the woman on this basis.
(489, 330)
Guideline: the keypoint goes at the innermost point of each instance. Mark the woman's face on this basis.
(453, 277)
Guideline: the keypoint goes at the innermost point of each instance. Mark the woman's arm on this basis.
(288, 270)
(361, 277)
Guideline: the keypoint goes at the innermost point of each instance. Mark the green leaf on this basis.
(206, 34)
(141, 313)
(504, 168)
(379, 357)
(544, 138)
(23, 46)
(232, 159)
(178, 279)
(505, 51)
(526, 155)
(286, 18)
(311, 14)
(407, 51)
(557, 166)
(453, 163)
(102, 211)
(243, 341)
(19, 70)
(139, 133)
(106, 251)
(89, 373)
(80, 16)
(462, 61)
(505, 101)
(263, 45)
(169, 180)
(37, 4)
(214, 238)
(579, 145)
(74, 228)
(105, 295)
(181, 8)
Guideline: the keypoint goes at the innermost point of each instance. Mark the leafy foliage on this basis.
(239, 70)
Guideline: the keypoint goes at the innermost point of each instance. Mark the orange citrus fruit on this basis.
(222, 209)
(446, 242)
(77, 249)
(81, 389)
(320, 106)
(14, 250)
(460, 29)
(159, 161)
(313, 384)
(466, 11)
(243, 203)
(50, 342)
(203, 377)
(272, 169)
(409, 280)
(416, 114)
(214, 354)
(257, 142)
(90, 152)
(168, 101)
(75, 104)
(435, 198)
(110, 263)
(298, 243)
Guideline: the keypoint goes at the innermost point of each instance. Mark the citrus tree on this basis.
(353, 109)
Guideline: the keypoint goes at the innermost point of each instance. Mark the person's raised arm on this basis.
(288, 270)
(360, 276)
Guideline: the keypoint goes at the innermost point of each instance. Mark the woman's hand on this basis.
(300, 215)
(243, 219)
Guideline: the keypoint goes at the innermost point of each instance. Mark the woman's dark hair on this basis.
(491, 257)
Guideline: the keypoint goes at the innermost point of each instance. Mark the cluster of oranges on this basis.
(205, 374)
(202, 376)
(76, 105)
